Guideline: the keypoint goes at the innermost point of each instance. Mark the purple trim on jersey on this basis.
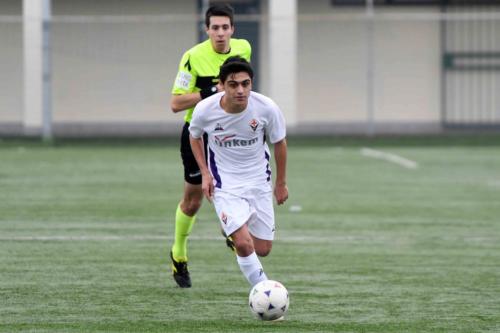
(213, 167)
(268, 170)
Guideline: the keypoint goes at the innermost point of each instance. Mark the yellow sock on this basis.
(183, 226)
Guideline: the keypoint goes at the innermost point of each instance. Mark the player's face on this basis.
(237, 88)
(220, 31)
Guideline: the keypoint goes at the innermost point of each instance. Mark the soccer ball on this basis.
(268, 300)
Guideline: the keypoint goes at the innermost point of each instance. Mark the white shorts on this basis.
(253, 207)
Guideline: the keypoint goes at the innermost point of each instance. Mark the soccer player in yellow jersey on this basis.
(197, 79)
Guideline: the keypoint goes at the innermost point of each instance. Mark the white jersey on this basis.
(238, 156)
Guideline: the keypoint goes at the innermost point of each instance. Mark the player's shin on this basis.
(183, 226)
(252, 268)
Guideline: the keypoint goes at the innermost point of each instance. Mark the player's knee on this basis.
(262, 247)
(244, 247)
(264, 250)
(263, 253)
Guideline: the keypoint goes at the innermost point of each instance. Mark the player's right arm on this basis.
(184, 95)
(180, 103)
(207, 184)
(198, 149)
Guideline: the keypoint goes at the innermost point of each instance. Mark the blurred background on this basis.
(77, 68)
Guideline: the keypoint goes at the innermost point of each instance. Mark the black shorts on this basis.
(192, 173)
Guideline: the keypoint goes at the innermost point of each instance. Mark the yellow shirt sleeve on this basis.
(248, 51)
(185, 79)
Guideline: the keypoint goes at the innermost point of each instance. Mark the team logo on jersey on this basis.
(223, 218)
(218, 127)
(254, 124)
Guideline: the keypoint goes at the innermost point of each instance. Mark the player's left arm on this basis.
(280, 187)
(247, 54)
(276, 132)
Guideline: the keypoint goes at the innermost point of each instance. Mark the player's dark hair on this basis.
(219, 9)
(235, 64)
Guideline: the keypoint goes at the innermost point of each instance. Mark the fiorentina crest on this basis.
(223, 217)
(254, 124)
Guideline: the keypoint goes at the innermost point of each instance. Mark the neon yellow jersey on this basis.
(199, 67)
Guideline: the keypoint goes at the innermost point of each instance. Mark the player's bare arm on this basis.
(280, 187)
(183, 102)
(207, 184)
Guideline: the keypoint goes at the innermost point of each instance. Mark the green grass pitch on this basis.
(86, 227)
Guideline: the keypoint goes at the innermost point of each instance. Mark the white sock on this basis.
(252, 268)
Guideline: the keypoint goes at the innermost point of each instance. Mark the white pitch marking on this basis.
(84, 238)
(300, 239)
(368, 152)
(494, 183)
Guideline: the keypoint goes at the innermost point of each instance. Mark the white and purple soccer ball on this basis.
(269, 300)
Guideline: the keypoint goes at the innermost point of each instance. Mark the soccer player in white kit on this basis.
(236, 176)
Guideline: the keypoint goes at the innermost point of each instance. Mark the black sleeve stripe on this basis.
(188, 65)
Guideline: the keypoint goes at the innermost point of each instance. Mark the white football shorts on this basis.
(253, 206)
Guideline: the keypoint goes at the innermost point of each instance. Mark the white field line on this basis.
(494, 183)
(393, 158)
(299, 239)
(364, 239)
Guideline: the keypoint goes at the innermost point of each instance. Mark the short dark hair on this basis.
(219, 9)
(234, 64)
